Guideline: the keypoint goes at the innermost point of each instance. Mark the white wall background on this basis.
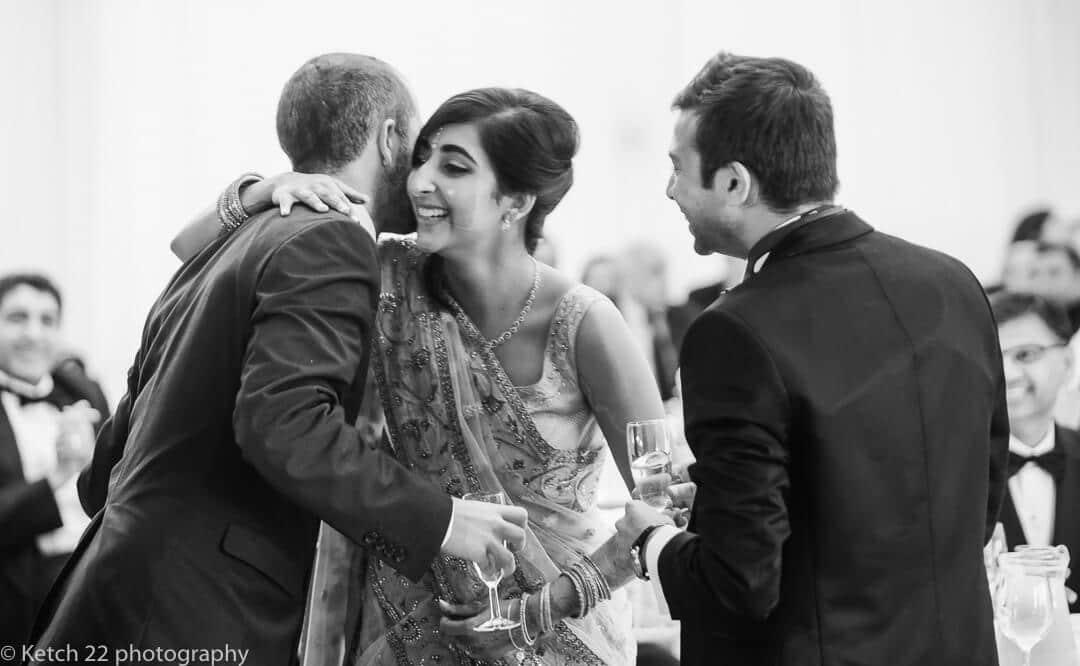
(120, 117)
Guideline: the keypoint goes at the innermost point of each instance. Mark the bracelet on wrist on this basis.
(231, 211)
(523, 619)
(547, 622)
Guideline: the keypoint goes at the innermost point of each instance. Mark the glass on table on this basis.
(490, 575)
(650, 452)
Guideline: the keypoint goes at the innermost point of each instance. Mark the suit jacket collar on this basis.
(800, 238)
(10, 460)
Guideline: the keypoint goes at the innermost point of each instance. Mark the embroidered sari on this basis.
(454, 416)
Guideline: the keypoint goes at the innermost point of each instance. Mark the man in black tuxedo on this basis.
(845, 404)
(48, 415)
(1042, 505)
(234, 438)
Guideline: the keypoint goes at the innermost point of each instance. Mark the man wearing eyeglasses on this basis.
(1042, 507)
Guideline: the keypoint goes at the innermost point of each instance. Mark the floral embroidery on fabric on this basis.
(453, 416)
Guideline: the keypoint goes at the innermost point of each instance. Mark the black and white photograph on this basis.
(570, 333)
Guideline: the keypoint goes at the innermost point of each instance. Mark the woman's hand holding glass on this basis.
(460, 621)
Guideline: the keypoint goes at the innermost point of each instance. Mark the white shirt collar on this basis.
(42, 388)
(1044, 445)
(765, 255)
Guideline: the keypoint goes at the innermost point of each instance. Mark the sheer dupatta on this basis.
(454, 417)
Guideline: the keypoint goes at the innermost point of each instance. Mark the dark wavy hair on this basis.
(529, 140)
(772, 116)
(35, 281)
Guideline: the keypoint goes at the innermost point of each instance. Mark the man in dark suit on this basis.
(845, 404)
(234, 438)
(48, 414)
(1042, 505)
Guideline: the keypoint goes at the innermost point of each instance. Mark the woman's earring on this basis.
(506, 222)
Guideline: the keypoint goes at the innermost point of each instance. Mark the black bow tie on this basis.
(1052, 461)
(24, 400)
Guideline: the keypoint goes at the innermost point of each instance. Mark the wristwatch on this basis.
(637, 552)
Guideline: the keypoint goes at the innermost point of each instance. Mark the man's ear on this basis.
(389, 141)
(740, 184)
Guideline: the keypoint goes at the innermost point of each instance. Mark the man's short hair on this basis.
(1008, 305)
(330, 106)
(36, 281)
(772, 116)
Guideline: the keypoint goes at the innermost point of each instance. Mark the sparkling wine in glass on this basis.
(490, 575)
(1026, 609)
(651, 466)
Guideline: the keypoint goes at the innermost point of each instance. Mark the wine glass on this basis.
(1025, 609)
(490, 575)
(651, 455)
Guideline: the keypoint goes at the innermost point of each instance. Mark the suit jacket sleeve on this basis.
(311, 324)
(93, 483)
(736, 413)
(27, 510)
(999, 455)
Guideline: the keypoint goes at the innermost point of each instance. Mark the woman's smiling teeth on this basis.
(429, 214)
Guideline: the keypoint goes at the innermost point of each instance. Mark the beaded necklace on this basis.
(460, 314)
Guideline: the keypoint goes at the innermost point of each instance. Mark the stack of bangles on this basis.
(590, 584)
(231, 213)
(591, 587)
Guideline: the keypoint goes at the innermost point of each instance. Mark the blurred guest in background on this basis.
(1021, 254)
(602, 273)
(1030, 227)
(1019, 267)
(1061, 230)
(1042, 507)
(47, 426)
(1055, 275)
(681, 316)
(644, 306)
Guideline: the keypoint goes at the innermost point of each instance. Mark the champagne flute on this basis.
(490, 575)
(1026, 609)
(651, 466)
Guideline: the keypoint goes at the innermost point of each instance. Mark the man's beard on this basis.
(393, 212)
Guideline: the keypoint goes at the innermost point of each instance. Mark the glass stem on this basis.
(493, 601)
